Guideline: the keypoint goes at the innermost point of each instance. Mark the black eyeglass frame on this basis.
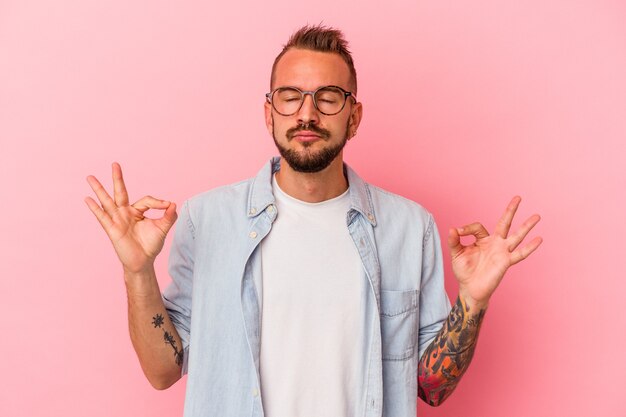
(346, 94)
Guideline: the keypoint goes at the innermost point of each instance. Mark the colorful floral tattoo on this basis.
(448, 356)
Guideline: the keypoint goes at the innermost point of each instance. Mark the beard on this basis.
(307, 160)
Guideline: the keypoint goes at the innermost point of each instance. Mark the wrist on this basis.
(141, 282)
(139, 272)
(472, 304)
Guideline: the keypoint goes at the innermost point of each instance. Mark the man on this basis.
(305, 291)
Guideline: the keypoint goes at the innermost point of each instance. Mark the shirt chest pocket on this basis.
(399, 319)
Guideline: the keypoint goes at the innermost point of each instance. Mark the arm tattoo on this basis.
(157, 321)
(448, 356)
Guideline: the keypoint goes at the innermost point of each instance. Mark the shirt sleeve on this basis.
(434, 302)
(177, 296)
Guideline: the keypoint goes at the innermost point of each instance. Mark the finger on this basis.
(523, 252)
(475, 229)
(105, 199)
(454, 242)
(149, 202)
(103, 218)
(166, 222)
(119, 188)
(504, 224)
(519, 235)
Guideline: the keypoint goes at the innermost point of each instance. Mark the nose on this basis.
(308, 113)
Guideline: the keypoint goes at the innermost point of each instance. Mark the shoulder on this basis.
(386, 203)
(398, 217)
(223, 198)
(234, 190)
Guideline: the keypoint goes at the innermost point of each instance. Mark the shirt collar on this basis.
(261, 196)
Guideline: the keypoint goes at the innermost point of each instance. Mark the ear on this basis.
(269, 123)
(355, 118)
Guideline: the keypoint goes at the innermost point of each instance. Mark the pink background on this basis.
(465, 105)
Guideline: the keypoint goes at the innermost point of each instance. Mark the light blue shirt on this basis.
(214, 304)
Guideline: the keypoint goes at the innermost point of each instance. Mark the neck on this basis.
(313, 187)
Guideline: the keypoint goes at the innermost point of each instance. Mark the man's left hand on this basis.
(480, 266)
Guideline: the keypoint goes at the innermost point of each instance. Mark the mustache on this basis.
(323, 133)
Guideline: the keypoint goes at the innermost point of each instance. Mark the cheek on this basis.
(339, 127)
(280, 127)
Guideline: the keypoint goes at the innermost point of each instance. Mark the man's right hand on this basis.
(137, 239)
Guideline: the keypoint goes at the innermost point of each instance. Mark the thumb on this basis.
(169, 218)
(454, 242)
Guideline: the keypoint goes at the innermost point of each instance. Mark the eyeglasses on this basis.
(328, 100)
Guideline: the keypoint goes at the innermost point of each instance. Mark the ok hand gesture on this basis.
(137, 240)
(480, 266)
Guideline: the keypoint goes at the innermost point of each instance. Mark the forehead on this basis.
(308, 70)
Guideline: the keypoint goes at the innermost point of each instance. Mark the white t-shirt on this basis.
(312, 313)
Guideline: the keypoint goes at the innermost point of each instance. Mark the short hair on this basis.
(321, 39)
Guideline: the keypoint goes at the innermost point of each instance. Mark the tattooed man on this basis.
(305, 291)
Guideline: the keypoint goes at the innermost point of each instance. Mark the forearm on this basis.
(152, 333)
(449, 355)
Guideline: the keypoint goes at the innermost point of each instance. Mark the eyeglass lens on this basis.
(328, 100)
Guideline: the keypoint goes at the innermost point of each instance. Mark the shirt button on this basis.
(252, 235)
(255, 392)
(252, 210)
(370, 216)
(270, 209)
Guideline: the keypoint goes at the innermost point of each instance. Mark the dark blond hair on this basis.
(321, 39)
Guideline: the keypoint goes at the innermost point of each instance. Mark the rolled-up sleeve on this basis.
(434, 302)
(177, 296)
